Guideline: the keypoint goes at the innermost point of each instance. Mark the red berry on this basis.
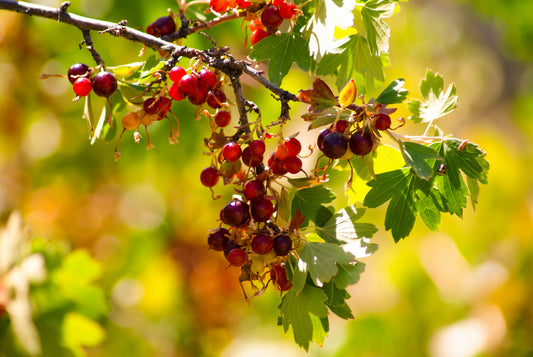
(251, 160)
(104, 84)
(287, 10)
(163, 26)
(78, 70)
(207, 79)
(258, 35)
(151, 106)
(218, 239)
(174, 92)
(293, 164)
(219, 6)
(199, 97)
(341, 126)
(188, 85)
(270, 17)
(255, 24)
(209, 176)
(232, 151)
(236, 213)
(82, 86)
(281, 152)
(150, 29)
(164, 105)
(294, 146)
(243, 4)
(257, 147)
(334, 145)
(215, 98)
(361, 143)
(279, 277)
(176, 73)
(254, 189)
(282, 244)
(262, 209)
(236, 257)
(262, 243)
(277, 2)
(383, 121)
(222, 118)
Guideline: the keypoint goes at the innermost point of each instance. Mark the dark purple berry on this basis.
(104, 84)
(262, 209)
(282, 244)
(254, 189)
(334, 145)
(78, 70)
(361, 143)
(218, 239)
(262, 243)
(236, 213)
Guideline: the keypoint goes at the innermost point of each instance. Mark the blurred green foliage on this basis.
(465, 291)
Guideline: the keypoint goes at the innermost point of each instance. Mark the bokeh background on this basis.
(465, 291)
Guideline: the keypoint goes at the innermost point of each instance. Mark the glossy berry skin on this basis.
(293, 164)
(251, 160)
(321, 136)
(341, 126)
(219, 6)
(207, 79)
(188, 85)
(175, 93)
(199, 97)
(176, 73)
(279, 277)
(104, 84)
(236, 257)
(150, 106)
(334, 145)
(281, 152)
(78, 70)
(82, 86)
(209, 176)
(287, 10)
(257, 147)
(232, 151)
(277, 168)
(294, 146)
(262, 209)
(164, 105)
(215, 98)
(222, 118)
(218, 239)
(270, 17)
(258, 35)
(162, 26)
(282, 244)
(262, 243)
(254, 189)
(382, 122)
(361, 143)
(236, 213)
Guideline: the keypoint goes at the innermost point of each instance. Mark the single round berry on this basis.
(215, 98)
(207, 79)
(188, 85)
(254, 189)
(262, 209)
(176, 73)
(219, 6)
(258, 35)
(361, 143)
(294, 146)
(82, 86)
(383, 121)
(334, 145)
(131, 121)
(151, 106)
(78, 70)
(104, 84)
(162, 26)
(209, 176)
(282, 244)
(218, 239)
(262, 243)
(281, 152)
(175, 93)
(236, 213)
(232, 151)
(199, 97)
(287, 10)
(293, 164)
(236, 257)
(321, 136)
(257, 147)
(277, 168)
(270, 17)
(222, 118)
(251, 160)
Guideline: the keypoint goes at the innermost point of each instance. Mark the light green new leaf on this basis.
(415, 156)
(437, 101)
(282, 51)
(394, 93)
(296, 309)
(377, 31)
(78, 332)
(309, 200)
(342, 227)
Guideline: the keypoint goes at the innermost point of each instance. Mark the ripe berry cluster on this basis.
(83, 80)
(271, 18)
(200, 87)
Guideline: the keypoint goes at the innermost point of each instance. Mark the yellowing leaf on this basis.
(348, 94)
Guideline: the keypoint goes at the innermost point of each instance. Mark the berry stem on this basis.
(89, 45)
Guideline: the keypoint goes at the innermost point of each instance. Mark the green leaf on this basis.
(377, 31)
(337, 301)
(437, 101)
(386, 186)
(401, 212)
(428, 209)
(282, 51)
(348, 274)
(309, 200)
(320, 329)
(342, 227)
(415, 156)
(394, 93)
(283, 215)
(320, 261)
(296, 309)
(78, 332)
